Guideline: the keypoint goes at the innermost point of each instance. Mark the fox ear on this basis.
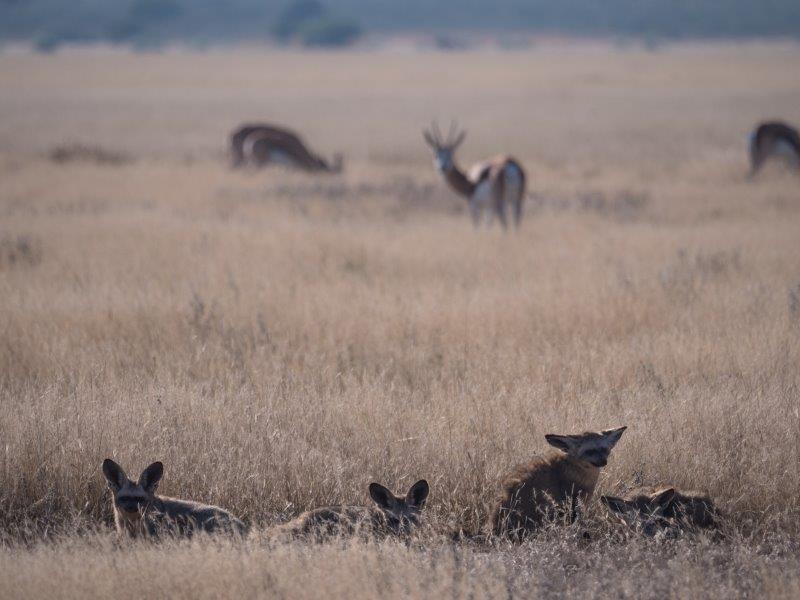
(562, 442)
(617, 505)
(418, 493)
(151, 476)
(665, 497)
(114, 474)
(612, 436)
(381, 496)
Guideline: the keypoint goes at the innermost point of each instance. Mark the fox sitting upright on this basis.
(138, 511)
(549, 488)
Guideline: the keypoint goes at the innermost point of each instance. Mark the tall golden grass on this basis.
(279, 341)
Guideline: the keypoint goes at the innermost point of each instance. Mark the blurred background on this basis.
(446, 24)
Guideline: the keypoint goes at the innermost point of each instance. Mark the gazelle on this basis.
(490, 185)
(773, 139)
(261, 144)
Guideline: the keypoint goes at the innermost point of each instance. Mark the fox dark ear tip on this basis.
(380, 494)
(422, 487)
(155, 468)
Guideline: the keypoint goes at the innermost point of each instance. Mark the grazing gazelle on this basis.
(773, 139)
(549, 488)
(489, 185)
(391, 515)
(139, 511)
(261, 145)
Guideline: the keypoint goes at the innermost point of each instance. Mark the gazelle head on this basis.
(131, 499)
(444, 148)
(592, 446)
(401, 513)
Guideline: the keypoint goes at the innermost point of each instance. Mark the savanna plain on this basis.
(280, 340)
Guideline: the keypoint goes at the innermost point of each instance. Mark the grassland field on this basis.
(280, 340)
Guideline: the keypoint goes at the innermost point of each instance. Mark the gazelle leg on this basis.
(756, 160)
(489, 218)
(755, 167)
(514, 191)
(475, 211)
(490, 208)
(518, 209)
(500, 209)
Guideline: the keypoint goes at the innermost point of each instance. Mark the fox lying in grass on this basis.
(138, 511)
(391, 515)
(664, 510)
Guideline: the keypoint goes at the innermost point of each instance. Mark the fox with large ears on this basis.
(549, 488)
(664, 510)
(138, 511)
(390, 515)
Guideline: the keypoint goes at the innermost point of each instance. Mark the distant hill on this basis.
(156, 21)
(672, 18)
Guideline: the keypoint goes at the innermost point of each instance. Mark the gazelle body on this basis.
(261, 145)
(490, 187)
(664, 510)
(773, 139)
(138, 511)
(390, 515)
(549, 488)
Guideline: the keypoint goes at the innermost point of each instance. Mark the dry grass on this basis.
(279, 341)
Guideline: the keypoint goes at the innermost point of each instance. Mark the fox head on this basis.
(132, 498)
(648, 513)
(401, 513)
(592, 447)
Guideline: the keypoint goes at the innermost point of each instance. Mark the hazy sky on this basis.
(255, 19)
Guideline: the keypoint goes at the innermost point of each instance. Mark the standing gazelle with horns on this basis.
(492, 184)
